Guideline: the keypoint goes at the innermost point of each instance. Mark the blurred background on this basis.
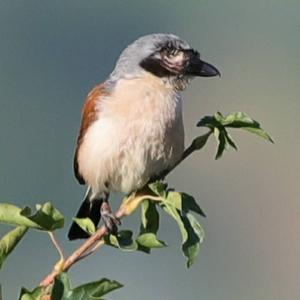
(53, 52)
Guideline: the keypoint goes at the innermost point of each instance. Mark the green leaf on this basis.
(149, 240)
(174, 199)
(94, 290)
(177, 205)
(218, 123)
(219, 117)
(149, 217)
(174, 213)
(46, 216)
(122, 240)
(10, 214)
(33, 295)
(260, 132)
(86, 224)
(238, 120)
(220, 136)
(149, 227)
(229, 140)
(183, 202)
(243, 121)
(159, 188)
(195, 234)
(10, 241)
(189, 204)
(190, 235)
(208, 121)
(217, 133)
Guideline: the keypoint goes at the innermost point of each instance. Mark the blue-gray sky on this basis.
(53, 52)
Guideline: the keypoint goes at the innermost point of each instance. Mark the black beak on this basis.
(198, 67)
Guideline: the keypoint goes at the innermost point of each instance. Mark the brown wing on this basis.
(88, 117)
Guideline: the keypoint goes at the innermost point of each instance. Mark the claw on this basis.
(110, 221)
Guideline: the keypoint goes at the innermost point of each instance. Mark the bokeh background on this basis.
(53, 52)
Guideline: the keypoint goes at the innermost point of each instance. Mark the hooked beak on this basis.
(198, 67)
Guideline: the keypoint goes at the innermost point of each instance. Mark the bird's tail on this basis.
(90, 208)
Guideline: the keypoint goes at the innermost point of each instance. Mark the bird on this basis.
(131, 125)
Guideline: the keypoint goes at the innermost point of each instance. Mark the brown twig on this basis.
(95, 248)
(81, 251)
(197, 144)
(92, 243)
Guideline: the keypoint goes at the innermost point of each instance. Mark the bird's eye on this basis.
(172, 52)
(169, 51)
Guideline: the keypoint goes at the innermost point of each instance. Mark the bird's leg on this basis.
(110, 221)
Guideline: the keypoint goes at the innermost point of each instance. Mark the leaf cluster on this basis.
(180, 206)
(219, 125)
(44, 218)
(62, 290)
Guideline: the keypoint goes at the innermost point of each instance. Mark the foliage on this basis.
(218, 124)
(62, 290)
(46, 217)
(155, 204)
(10, 241)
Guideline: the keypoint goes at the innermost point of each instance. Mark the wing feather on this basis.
(88, 117)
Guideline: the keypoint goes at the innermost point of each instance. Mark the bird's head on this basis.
(165, 56)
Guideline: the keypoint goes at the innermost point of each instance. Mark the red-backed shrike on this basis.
(131, 126)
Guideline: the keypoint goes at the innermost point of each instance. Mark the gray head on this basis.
(164, 55)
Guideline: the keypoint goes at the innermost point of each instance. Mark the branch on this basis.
(95, 241)
(197, 144)
(56, 244)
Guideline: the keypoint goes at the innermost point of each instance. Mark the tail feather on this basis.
(88, 209)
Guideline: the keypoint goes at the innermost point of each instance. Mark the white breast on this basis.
(139, 133)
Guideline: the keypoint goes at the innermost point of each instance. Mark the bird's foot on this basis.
(110, 221)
